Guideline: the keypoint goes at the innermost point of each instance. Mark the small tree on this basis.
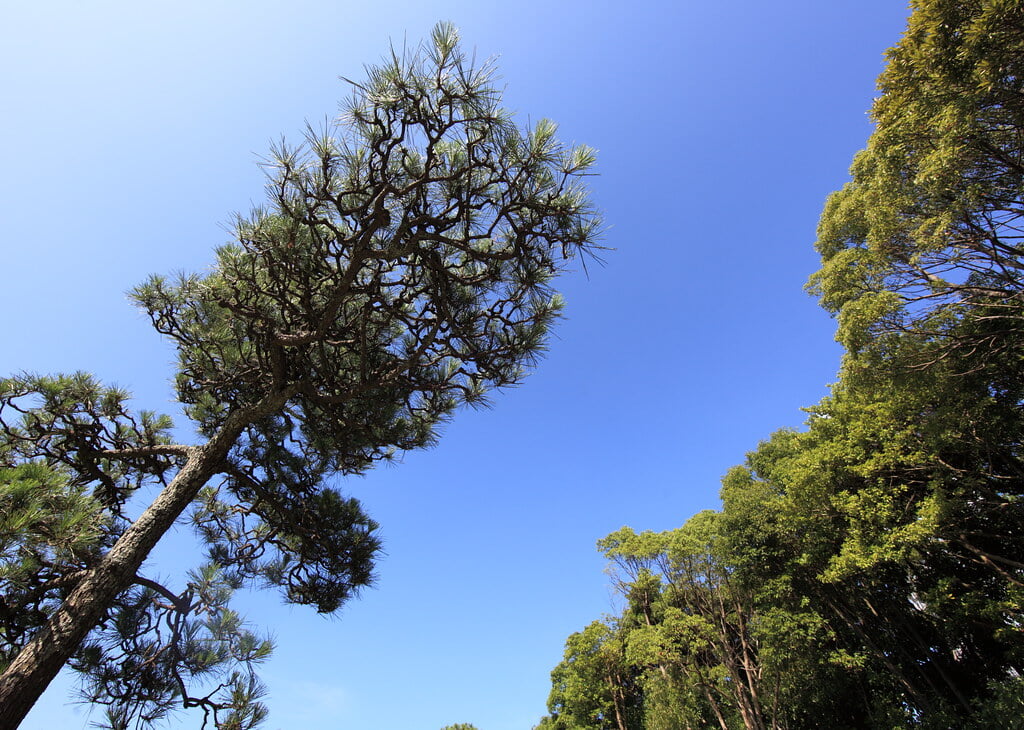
(401, 268)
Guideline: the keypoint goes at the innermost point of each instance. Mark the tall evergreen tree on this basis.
(401, 268)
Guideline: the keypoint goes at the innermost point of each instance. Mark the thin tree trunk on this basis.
(895, 671)
(749, 663)
(907, 627)
(714, 707)
(620, 721)
(35, 666)
(737, 667)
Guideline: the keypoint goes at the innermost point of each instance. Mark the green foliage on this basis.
(593, 686)
(74, 456)
(49, 530)
(681, 654)
(869, 571)
(927, 235)
(76, 424)
(156, 643)
(402, 268)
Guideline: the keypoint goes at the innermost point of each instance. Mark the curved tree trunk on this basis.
(31, 672)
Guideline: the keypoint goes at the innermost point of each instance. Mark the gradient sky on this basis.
(131, 132)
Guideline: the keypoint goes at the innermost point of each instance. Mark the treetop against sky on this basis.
(719, 130)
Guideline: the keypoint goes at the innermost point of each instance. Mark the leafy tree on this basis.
(593, 687)
(922, 264)
(928, 233)
(670, 645)
(874, 564)
(401, 268)
(853, 531)
(683, 653)
(776, 529)
(896, 518)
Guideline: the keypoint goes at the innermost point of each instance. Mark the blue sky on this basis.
(131, 135)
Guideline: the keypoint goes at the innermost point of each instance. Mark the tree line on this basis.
(868, 571)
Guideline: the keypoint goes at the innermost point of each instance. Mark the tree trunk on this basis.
(620, 721)
(714, 707)
(893, 669)
(35, 666)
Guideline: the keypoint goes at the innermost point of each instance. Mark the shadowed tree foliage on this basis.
(401, 268)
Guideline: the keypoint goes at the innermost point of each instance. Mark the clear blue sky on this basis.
(131, 132)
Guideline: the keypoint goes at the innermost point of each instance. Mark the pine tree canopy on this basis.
(401, 267)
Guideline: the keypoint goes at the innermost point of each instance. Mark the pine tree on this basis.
(401, 268)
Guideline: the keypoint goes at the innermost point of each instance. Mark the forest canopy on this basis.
(867, 572)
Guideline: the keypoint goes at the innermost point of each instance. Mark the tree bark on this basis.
(35, 666)
(714, 707)
(620, 721)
